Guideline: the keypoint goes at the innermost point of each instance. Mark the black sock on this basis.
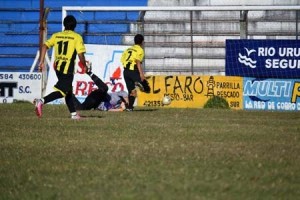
(52, 96)
(131, 102)
(70, 102)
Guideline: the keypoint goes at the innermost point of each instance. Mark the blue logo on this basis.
(246, 59)
(263, 58)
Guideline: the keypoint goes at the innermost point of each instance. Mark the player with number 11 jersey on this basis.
(67, 44)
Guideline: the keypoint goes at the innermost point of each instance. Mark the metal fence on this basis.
(191, 40)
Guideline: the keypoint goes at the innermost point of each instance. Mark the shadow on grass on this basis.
(142, 110)
(90, 116)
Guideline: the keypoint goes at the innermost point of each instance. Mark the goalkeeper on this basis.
(100, 99)
(133, 73)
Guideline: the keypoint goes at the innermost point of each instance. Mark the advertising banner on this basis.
(272, 94)
(192, 91)
(105, 60)
(15, 86)
(263, 58)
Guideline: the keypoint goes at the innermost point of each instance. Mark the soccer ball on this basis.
(166, 100)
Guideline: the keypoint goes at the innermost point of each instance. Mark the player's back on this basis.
(66, 46)
(130, 56)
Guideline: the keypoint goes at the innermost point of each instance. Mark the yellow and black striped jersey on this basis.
(67, 44)
(130, 56)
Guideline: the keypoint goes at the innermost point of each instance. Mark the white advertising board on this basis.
(106, 65)
(17, 86)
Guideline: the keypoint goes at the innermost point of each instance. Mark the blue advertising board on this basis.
(263, 58)
(271, 94)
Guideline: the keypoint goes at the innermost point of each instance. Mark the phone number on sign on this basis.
(30, 76)
(6, 76)
(153, 103)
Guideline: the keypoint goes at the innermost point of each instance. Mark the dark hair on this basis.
(138, 39)
(70, 22)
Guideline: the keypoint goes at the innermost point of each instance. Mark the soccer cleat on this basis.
(129, 109)
(76, 117)
(140, 86)
(38, 107)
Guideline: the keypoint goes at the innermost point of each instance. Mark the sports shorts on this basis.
(64, 83)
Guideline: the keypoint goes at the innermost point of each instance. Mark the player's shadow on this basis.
(144, 110)
(95, 116)
(90, 116)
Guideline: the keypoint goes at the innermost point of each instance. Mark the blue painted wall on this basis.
(60, 3)
(19, 27)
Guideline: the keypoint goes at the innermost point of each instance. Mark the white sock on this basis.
(73, 114)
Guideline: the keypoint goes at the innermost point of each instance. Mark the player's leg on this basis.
(52, 96)
(77, 103)
(100, 84)
(70, 103)
(130, 78)
(40, 102)
(64, 85)
(93, 100)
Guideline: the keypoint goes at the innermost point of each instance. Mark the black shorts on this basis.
(64, 83)
(130, 77)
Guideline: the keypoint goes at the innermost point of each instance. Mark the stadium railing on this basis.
(190, 40)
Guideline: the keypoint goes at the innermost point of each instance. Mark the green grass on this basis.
(149, 154)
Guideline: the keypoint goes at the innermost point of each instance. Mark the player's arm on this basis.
(82, 60)
(139, 66)
(115, 109)
(122, 107)
(123, 96)
(80, 48)
(123, 58)
(138, 60)
(42, 57)
(47, 45)
(125, 99)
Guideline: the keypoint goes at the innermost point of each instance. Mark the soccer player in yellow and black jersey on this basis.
(67, 44)
(133, 73)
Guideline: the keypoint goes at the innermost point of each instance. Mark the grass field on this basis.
(149, 154)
